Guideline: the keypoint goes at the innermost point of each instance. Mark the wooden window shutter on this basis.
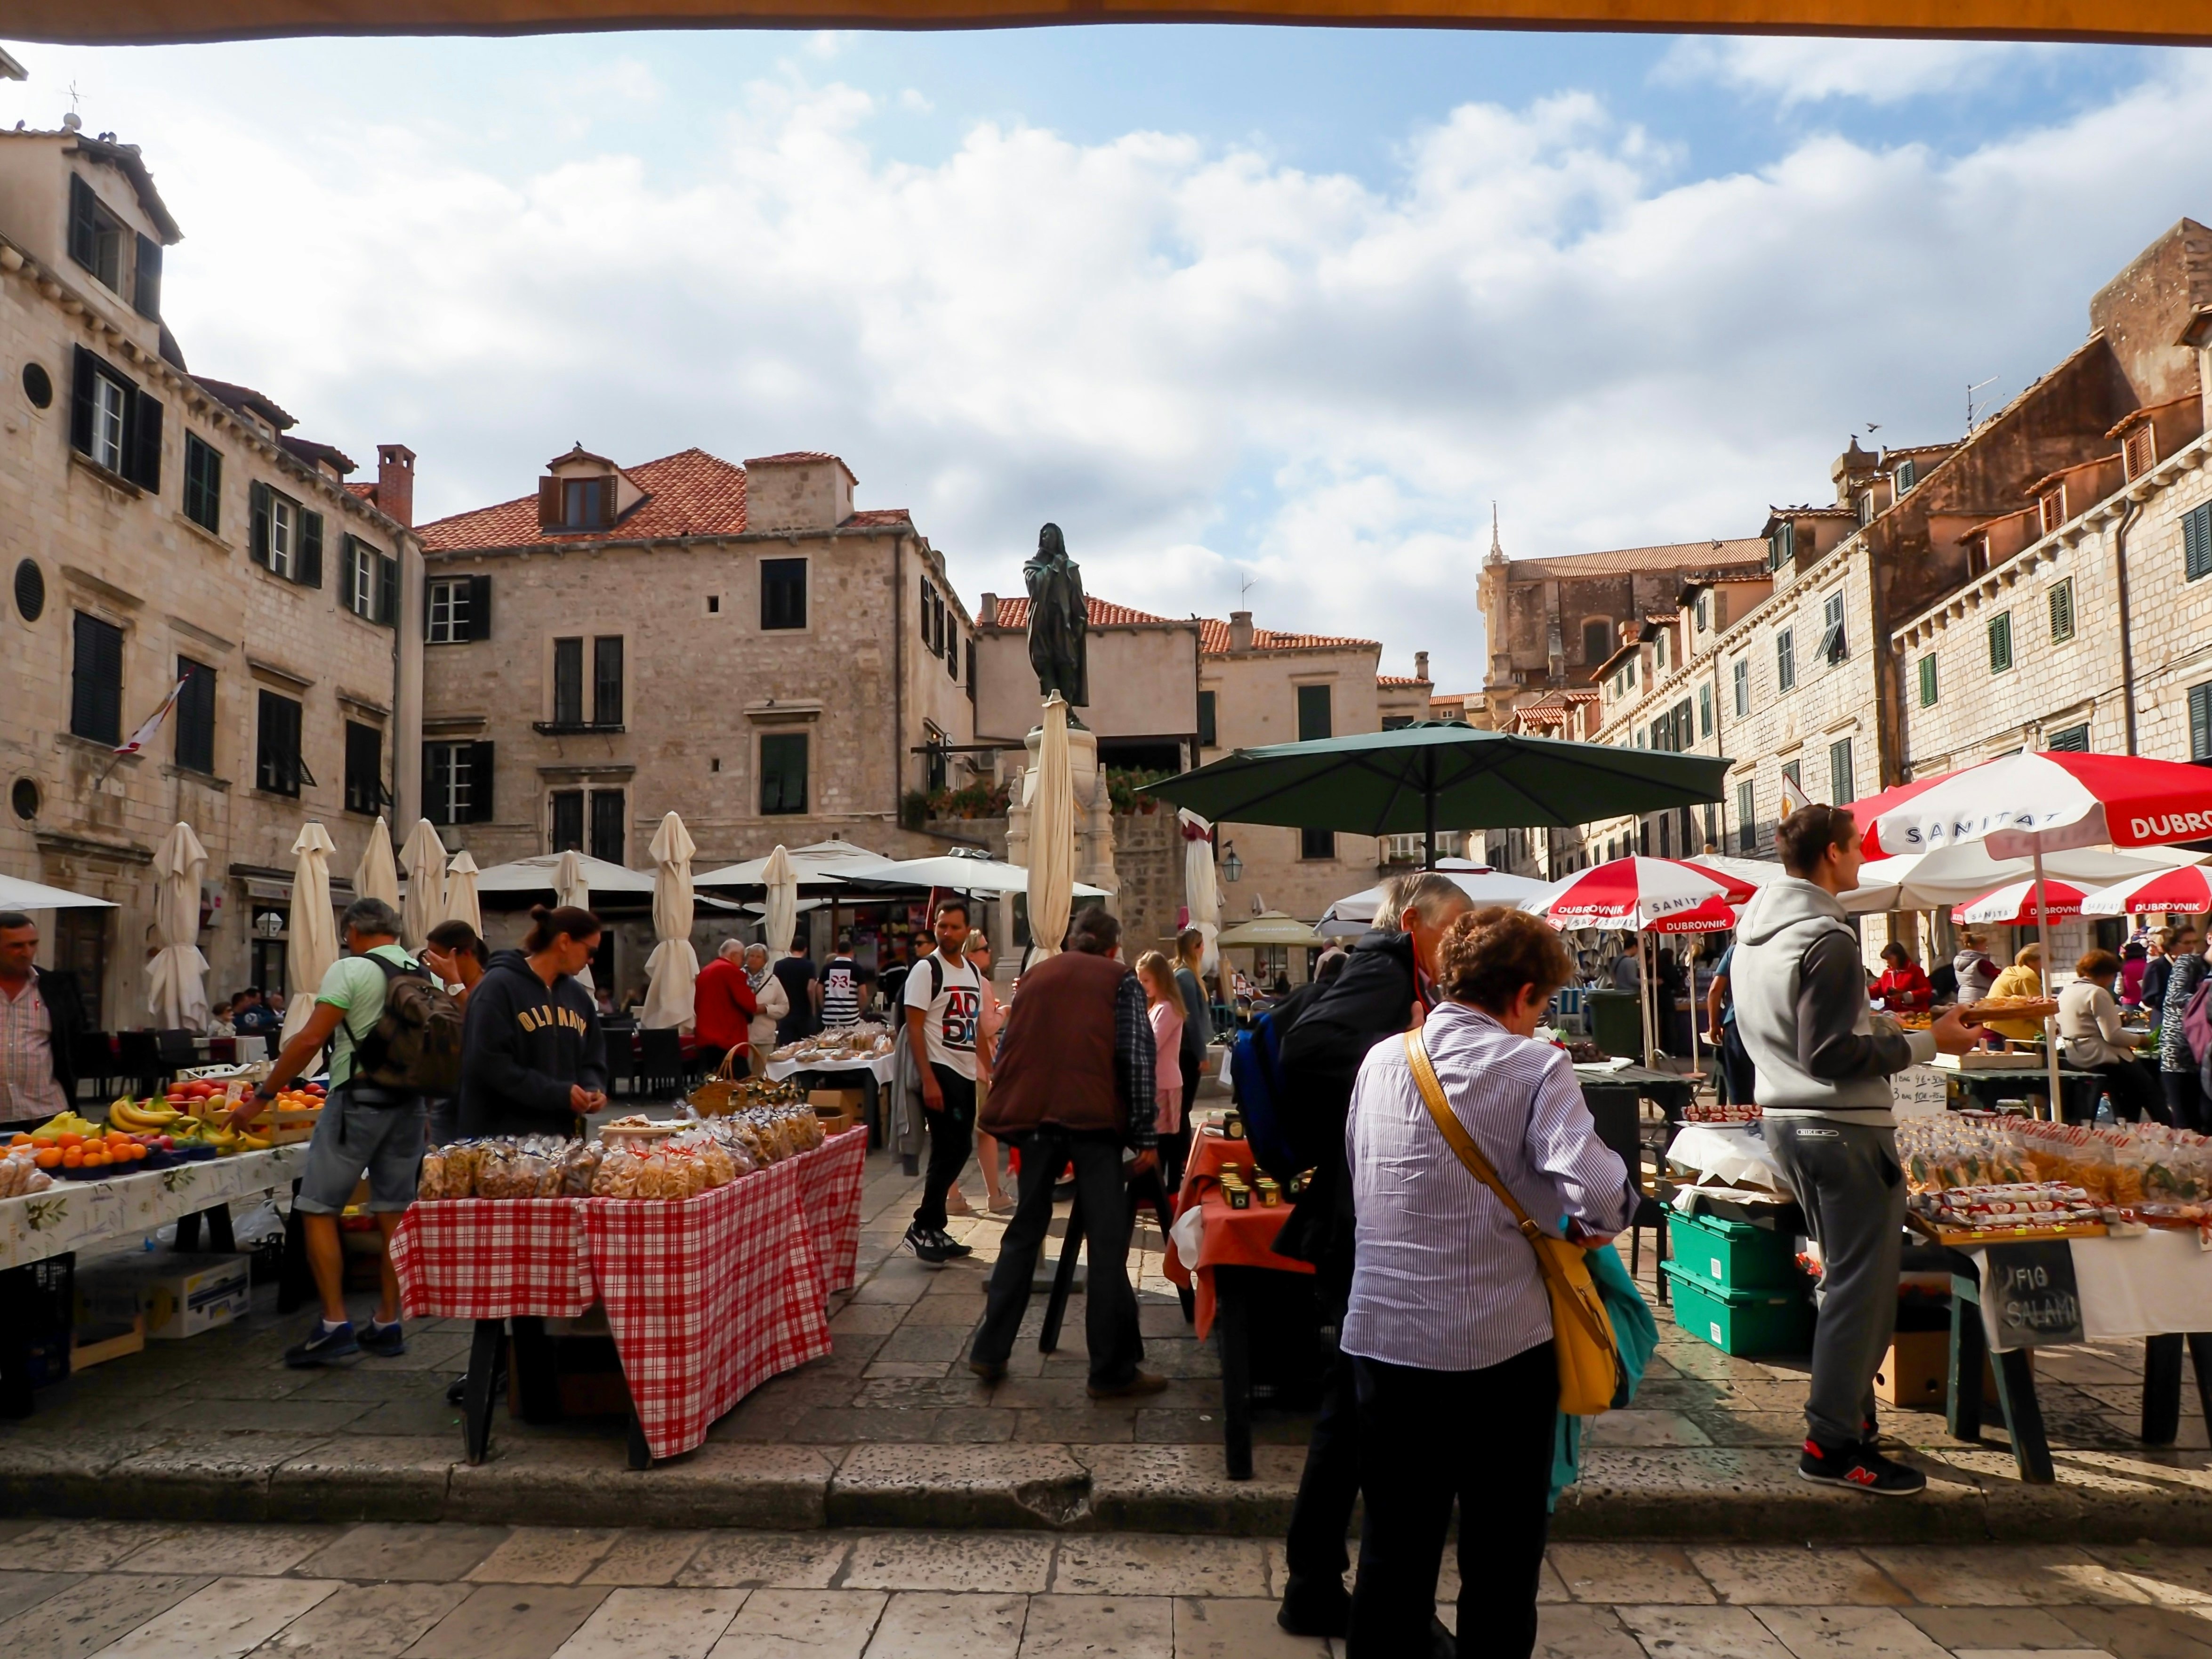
(146, 280)
(82, 390)
(479, 608)
(311, 548)
(609, 488)
(83, 223)
(548, 503)
(387, 590)
(257, 540)
(480, 781)
(143, 443)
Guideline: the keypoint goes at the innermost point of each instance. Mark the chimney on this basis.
(1420, 664)
(395, 483)
(1239, 630)
(987, 614)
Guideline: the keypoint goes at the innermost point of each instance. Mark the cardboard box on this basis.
(95, 1344)
(838, 1108)
(179, 1294)
(1914, 1373)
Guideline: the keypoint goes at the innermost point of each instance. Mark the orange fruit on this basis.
(69, 1142)
(49, 1157)
(20, 1141)
(73, 1157)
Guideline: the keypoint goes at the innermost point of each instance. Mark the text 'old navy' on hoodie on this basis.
(1801, 1010)
(524, 1045)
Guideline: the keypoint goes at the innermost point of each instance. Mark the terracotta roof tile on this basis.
(366, 491)
(1709, 555)
(792, 458)
(1399, 680)
(689, 493)
(877, 515)
(1015, 613)
(1213, 639)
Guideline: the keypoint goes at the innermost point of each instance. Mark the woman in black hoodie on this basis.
(533, 1059)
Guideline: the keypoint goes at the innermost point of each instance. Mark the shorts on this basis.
(380, 1135)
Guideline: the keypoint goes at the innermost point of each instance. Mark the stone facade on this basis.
(130, 559)
(1144, 673)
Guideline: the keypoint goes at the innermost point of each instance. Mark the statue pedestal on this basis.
(1094, 811)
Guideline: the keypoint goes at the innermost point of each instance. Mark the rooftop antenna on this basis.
(1244, 592)
(1971, 390)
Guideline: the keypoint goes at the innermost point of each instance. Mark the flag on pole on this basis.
(145, 734)
(1793, 797)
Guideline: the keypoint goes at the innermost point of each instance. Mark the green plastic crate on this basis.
(1743, 1321)
(1733, 1255)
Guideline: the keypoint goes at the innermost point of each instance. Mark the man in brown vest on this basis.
(1072, 1083)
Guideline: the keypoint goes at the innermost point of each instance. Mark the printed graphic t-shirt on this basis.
(952, 1001)
(841, 992)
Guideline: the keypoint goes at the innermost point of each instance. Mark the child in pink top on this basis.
(1163, 1001)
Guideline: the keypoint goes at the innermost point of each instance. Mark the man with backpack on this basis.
(1385, 986)
(940, 1003)
(395, 1038)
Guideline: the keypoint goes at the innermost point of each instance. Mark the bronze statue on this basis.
(1060, 621)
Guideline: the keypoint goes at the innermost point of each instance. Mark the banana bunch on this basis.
(149, 1117)
(68, 1123)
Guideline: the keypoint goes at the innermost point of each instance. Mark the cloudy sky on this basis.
(1288, 308)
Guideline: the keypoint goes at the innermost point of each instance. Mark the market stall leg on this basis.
(2015, 1380)
(477, 1397)
(537, 1372)
(295, 1282)
(640, 1454)
(18, 1303)
(1233, 1325)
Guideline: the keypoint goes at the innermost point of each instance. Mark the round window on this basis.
(26, 797)
(30, 590)
(38, 385)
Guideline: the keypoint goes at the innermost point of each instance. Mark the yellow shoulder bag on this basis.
(1590, 1376)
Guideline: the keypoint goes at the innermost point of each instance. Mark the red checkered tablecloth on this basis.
(706, 1299)
(483, 1258)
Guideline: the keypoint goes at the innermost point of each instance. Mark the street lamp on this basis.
(1231, 865)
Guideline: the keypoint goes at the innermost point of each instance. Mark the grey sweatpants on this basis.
(1847, 1179)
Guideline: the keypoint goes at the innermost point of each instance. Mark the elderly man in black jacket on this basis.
(1384, 987)
(39, 1019)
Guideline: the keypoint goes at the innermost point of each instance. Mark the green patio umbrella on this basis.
(1440, 772)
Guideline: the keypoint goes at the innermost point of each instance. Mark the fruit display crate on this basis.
(1742, 1322)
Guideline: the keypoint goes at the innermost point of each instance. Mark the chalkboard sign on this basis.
(2030, 1292)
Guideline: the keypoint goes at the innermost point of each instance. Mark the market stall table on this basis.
(71, 1215)
(1235, 1249)
(869, 1075)
(706, 1298)
(2155, 1285)
(1988, 1085)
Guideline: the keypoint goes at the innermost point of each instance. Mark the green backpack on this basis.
(415, 1047)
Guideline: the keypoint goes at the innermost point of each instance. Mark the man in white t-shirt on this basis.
(943, 1000)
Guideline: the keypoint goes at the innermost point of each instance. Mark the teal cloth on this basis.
(1636, 1331)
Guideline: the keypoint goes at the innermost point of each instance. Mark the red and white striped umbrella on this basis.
(2188, 890)
(1636, 896)
(2039, 803)
(2013, 905)
(1736, 887)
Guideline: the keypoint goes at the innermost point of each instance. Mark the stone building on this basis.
(1144, 672)
(737, 644)
(160, 530)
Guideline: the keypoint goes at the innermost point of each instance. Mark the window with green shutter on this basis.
(2200, 721)
(1785, 659)
(1929, 690)
(2061, 599)
(2001, 642)
(1843, 779)
(1746, 818)
(2075, 737)
(1743, 675)
(2196, 542)
(783, 772)
(1315, 716)
(96, 681)
(202, 483)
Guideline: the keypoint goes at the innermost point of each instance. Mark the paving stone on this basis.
(962, 1313)
(425, 1415)
(1796, 1578)
(1680, 1632)
(927, 1625)
(1232, 1628)
(994, 1562)
(264, 1416)
(252, 1551)
(846, 1425)
(780, 1624)
(365, 1621)
(974, 1425)
(958, 1486)
(1087, 1425)
(19, 1590)
(507, 1621)
(2027, 1576)
(2179, 1576)
(1187, 1489)
(1580, 1632)
(1848, 1633)
(1993, 1627)
(2140, 1632)
(403, 1550)
(905, 1369)
(95, 1612)
(868, 1319)
(221, 1476)
(367, 1477)
(1644, 1428)
(785, 1561)
(1134, 1563)
(544, 1555)
(2031, 1653)
(77, 1545)
(942, 1343)
(654, 1623)
(1629, 1572)
(643, 1557)
(230, 1617)
(1099, 1627)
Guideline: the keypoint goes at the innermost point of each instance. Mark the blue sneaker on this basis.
(385, 1341)
(322, 1348)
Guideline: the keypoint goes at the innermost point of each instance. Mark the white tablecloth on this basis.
(2154, 1285)
(1730, 1154)
(71, 1214)
(879, 1067)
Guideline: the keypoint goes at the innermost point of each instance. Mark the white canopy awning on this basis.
(17, 894)
(535, 875)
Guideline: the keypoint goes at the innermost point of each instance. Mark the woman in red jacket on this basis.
(1903, 988)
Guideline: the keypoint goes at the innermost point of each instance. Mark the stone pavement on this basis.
(127, 1590)
(891, 1430)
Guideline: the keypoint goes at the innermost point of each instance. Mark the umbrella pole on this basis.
(2049, 1023)
(1643, 997)
(1428, 806)
(1697, 1064)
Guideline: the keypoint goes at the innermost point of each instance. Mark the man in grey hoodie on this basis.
(1824, 1061)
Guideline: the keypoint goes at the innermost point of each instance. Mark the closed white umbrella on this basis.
(314, 947)
(424, 855)
(782, 883)
(461, 902)
(377, 876)
(673, 967)
(1199, 891)
(176, 991)
(1052, 835)
(572, 887)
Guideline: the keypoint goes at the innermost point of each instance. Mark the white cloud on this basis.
(1799, 71)
(1205, 364)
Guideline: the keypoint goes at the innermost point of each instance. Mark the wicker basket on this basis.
(714, 1097)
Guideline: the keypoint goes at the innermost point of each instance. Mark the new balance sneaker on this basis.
(385, 1341)
(927, 1245)
(325, 1344)
(1860, 1467)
